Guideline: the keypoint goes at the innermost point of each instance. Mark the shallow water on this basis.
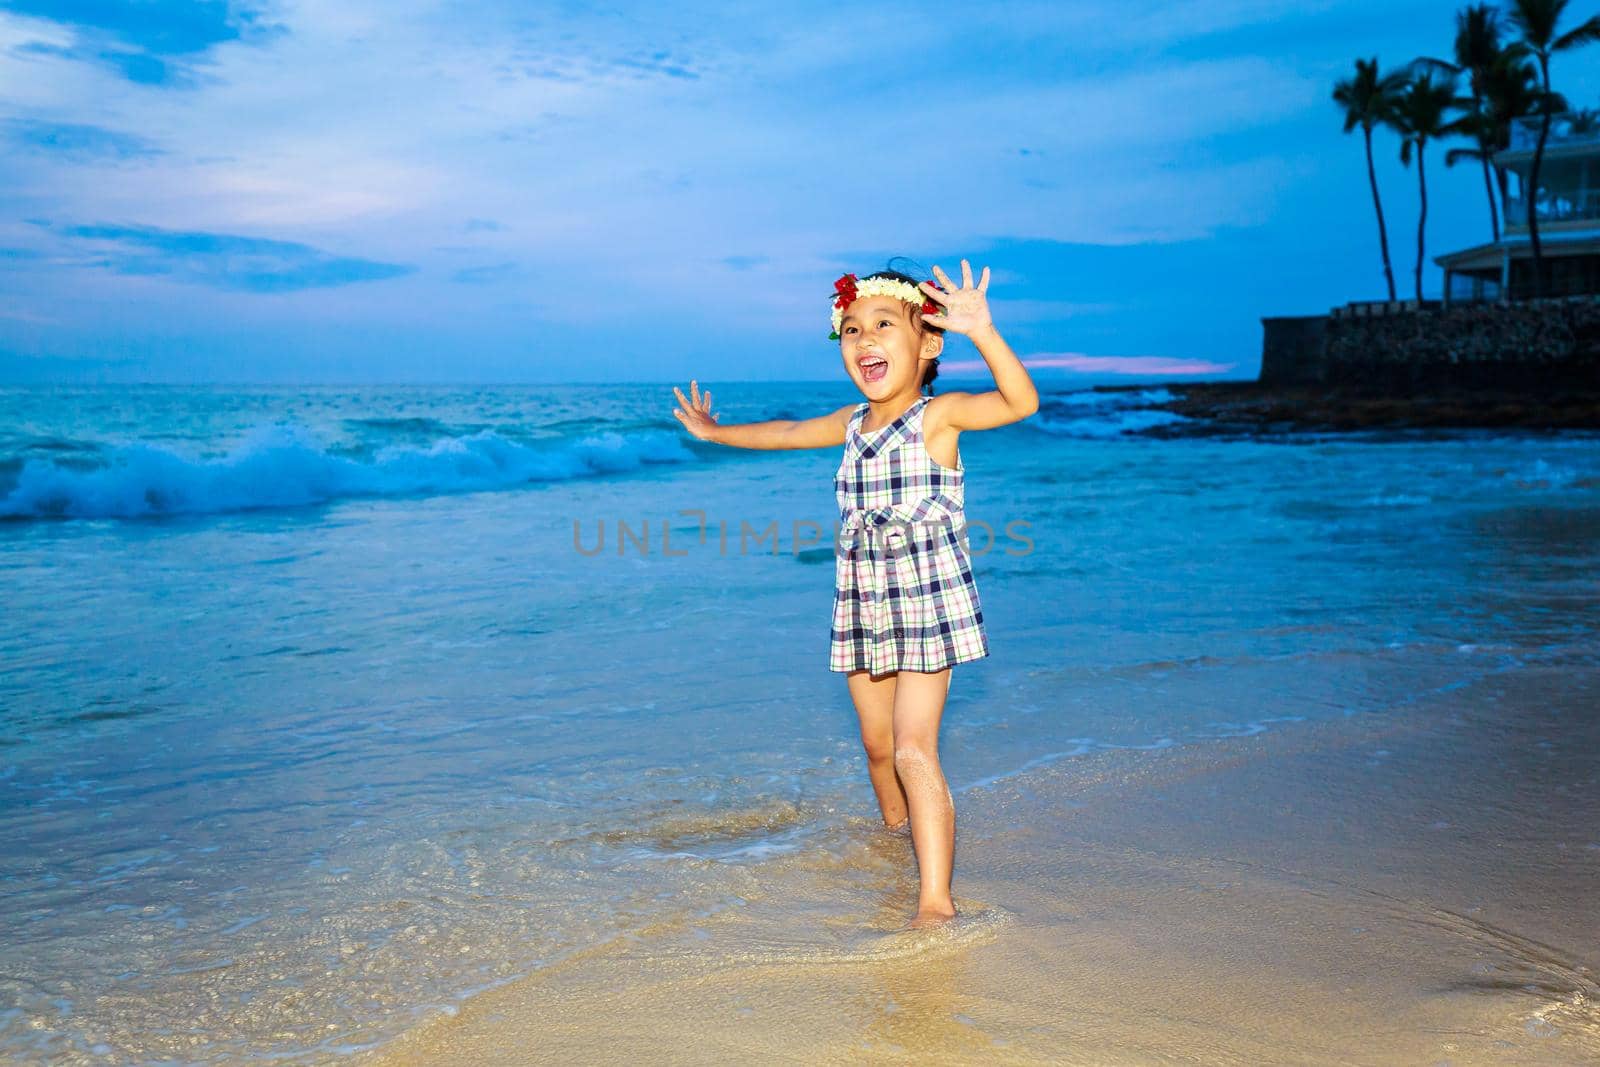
(1398, 887)
(318, 715)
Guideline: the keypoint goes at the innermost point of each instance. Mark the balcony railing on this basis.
(1560, 286)
(1566, 127)
(1560, 207)
(1372, 309)
(1467, 289)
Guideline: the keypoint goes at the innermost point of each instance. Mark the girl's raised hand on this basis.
(695, 414)
(964, 308)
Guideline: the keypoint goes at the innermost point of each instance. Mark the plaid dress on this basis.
(904, 598)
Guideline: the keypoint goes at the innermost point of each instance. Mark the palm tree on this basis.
(1482, 129)
(1511, 90)
(1420, 117)
(1536, 20)
(1368, 100)
(1477, 47)
(1586, 120)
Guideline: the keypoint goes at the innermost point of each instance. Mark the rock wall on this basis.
(1293, 350)
(1531, 345)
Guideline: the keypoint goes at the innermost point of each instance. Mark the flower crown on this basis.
(848, 290)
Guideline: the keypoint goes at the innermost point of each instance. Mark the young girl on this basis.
(905, 606)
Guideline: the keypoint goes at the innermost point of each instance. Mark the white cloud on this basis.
(372, 114)
(379, 129)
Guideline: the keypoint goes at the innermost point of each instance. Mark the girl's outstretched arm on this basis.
(966, 310)
(820, 432)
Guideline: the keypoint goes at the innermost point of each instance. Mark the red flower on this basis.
(846, 288)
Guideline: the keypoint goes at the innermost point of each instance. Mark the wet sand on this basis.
(1414, 886)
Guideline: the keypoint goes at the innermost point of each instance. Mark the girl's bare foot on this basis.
(931, 917)
(903, 827)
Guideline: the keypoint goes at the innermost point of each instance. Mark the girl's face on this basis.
(883, 352)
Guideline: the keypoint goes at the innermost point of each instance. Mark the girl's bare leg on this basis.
(918, 706)
(874, 700)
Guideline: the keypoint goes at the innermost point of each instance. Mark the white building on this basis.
(1568, 210)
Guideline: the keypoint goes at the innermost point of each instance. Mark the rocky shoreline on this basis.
(1251, 407)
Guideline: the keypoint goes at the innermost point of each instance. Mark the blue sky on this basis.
(436, 191)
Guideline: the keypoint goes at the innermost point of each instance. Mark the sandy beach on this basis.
(1402, 887)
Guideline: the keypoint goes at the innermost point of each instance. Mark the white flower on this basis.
(882, 287)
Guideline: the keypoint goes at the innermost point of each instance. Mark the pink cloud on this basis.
(1077, 361)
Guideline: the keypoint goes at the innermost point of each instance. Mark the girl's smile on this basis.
(882, 349)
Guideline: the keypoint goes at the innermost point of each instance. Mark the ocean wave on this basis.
(1116, 424)
(399, 425)
(1543, 475)
(1088, 398)
(1102, 415)
(285, 465)
(1396, 500)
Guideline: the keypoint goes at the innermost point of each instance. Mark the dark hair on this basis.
(930, 370)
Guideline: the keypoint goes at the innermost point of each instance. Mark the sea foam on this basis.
(286, 465)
